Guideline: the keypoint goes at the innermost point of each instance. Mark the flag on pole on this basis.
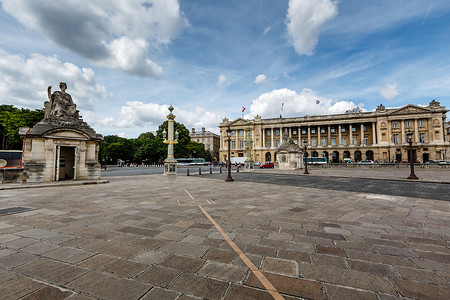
(317, 101)
(243, 108)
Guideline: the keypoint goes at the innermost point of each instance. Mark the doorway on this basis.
(268, 157)
(65, 163)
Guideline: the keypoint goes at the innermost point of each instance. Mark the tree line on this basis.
(147, 148)
(11, 119)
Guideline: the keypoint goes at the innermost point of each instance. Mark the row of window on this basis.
(313, 130)
(421, 138)
(323, 142)
(421, 123)
(395, 124)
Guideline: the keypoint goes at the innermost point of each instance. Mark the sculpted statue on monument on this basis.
(60, 104)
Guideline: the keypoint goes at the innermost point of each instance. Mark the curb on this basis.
(16, 186)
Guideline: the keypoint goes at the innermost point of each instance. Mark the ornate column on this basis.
(374, 136)
(318, 136)
(403, 132)
(339, 135)
(249, 164)
(350, 129)
(170, 164)
(416, 131)
(362, 134)
(329, 136)
(271, 137)
(263, 130)
(309, 136)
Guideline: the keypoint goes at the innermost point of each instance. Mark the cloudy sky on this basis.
(125, 61)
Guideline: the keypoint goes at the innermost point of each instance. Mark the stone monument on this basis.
(61, 146)
(288, 154)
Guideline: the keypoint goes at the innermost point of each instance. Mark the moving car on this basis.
(266, 165)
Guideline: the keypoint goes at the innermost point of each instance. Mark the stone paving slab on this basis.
(132, 240)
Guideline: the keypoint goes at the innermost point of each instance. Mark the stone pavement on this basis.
(441, 175)
(145, 237)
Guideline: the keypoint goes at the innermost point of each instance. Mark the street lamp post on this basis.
(229, 179)
(411, 159)
(249, 164)
(305, 156)
(170, 164)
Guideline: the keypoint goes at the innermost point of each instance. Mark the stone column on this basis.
(350, 129)
(362, 134)
(271, 138)
(319, 143)
(403, 132)
(374, 136)
(309, 136)
(237, 139)
(329, 135)
(416, 131)
(263, 130)
(339, 135)
(290, 131)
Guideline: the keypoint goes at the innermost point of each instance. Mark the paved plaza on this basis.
(199, 237)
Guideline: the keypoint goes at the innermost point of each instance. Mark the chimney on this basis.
(193, 130)
(203, 129)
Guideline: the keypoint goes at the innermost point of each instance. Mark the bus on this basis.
(316, 160)
(190, 161)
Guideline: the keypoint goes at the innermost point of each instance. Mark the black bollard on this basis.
(210, 170)
(187, 172)
(199, 171)
(237, 169)
(220, 169)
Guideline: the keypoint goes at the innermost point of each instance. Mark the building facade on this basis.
(354, 136)
(209, 139)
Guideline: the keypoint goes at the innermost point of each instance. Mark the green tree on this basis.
(149, 148)
(113, 148)
(11, 119)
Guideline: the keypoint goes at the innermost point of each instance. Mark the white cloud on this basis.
(260, 79)
(150, 115)
(304, 19)
(115, 34)
(24, 81)
(222, 80)
(266, 30)
(390, 91)
(268, 105)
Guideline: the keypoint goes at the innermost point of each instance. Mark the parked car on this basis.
(266, 165)
(257, 163)
(366, 162)
(436, 162)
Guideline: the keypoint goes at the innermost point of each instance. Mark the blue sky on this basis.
(125, 61)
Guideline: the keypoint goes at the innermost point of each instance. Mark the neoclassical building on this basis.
(209, 139)
(355, 135)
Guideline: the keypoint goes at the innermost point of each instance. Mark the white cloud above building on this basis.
(390, 91)
(290, 103)
(304, 20)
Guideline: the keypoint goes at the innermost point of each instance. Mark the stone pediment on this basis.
(409, 109)
(238, 122)
(67, 134)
